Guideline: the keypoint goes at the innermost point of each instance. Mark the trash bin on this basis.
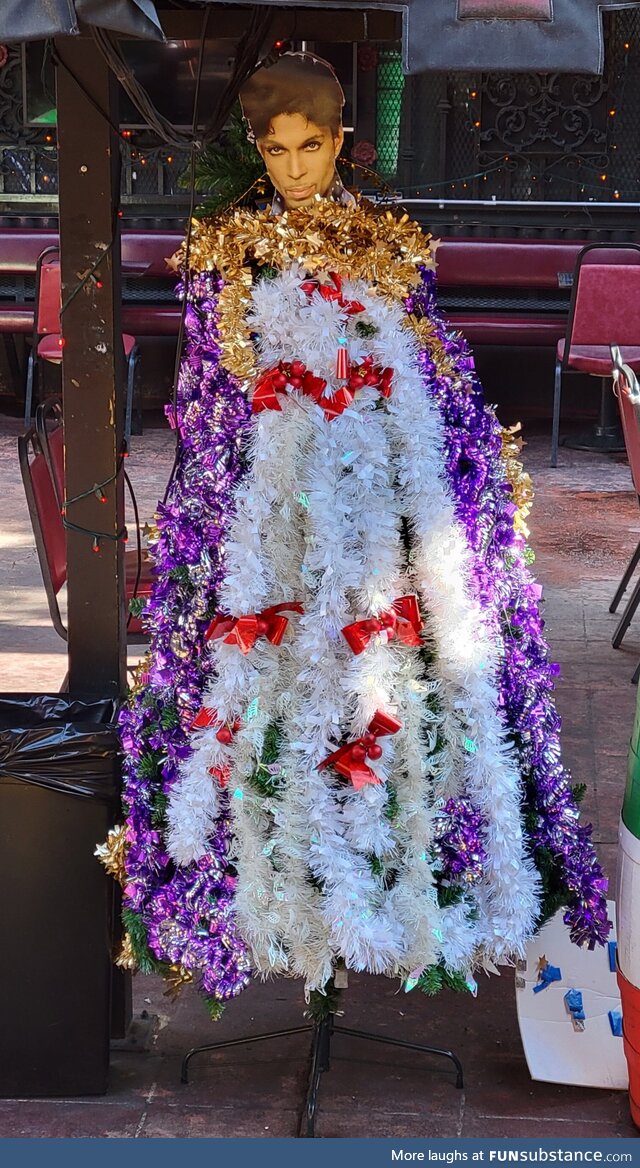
(59, 786)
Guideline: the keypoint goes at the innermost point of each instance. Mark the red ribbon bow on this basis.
(207, 717)
(350, 760)
(402, 620)
(245, 630)
(221, 774)
(328, 292)
(265, 394)
(294, 374)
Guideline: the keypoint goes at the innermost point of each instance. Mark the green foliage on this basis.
(226, 169)
(554, 891)
(266, 272)
(321, 1005)
(376, 865)
(365, 329)
(137, 605)
(392, 810)
(149, 764)
(135, 927)
(181, 574)
(450, 895)
(261, 779)
(159, 810)
(215, 1009)
(169, 716)
(436, 978)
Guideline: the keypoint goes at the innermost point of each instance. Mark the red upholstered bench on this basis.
(149, 304)
(496, 291)
(507, 291)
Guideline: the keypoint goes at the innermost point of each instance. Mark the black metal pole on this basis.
(92, 363)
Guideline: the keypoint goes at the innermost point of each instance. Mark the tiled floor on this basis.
(584, 526)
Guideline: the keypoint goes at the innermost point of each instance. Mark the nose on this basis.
(297, 165)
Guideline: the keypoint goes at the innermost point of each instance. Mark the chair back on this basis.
(48, 293)
(50, 431)
(605, 302)
(627, 391)
(46, 521)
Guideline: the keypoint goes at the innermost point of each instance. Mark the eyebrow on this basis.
(311, 138)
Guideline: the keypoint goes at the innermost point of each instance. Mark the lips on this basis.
(300, 192)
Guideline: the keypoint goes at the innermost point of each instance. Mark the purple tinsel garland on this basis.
(457, 846)
(476, 474)
(187, 913)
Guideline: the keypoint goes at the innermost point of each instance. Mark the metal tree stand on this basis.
(322, 1032)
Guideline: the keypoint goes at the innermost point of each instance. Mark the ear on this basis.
(338, 142)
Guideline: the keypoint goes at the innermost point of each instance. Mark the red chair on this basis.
(44, 503)
(627, 391)
(50, 431)
(47, 340)
(604, 311)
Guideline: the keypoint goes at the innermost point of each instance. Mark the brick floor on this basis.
(584, 526)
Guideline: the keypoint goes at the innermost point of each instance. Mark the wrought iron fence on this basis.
(541, 137)
(528, 137)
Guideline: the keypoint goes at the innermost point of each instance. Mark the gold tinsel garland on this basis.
(521, 484)
(126, 957)
(111, 852)
(376, 246)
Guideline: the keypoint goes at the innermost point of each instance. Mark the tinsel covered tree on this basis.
(343, 750)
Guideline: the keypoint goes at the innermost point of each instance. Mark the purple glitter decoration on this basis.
(457, 846)
(476, 474)
(186, 913)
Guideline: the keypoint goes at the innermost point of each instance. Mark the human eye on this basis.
(314, 145)
(274, 150)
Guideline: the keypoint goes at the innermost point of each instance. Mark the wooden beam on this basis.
(92, 363)
(300, 23)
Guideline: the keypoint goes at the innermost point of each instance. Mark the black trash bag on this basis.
(59, 788)
(61, 742)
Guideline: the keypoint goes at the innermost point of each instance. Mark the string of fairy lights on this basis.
(531, 176)
(521, 172)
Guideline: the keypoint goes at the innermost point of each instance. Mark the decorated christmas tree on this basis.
(343, 751)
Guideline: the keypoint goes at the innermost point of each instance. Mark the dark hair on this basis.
(298, 83)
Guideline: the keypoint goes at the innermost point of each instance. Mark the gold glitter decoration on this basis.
(178, 645)
(111, 852)
(427, 336)
(237, 351)
(125, 958)
(151, 532)
(521, 484)
(378, 246)
(371, 244)
(175, 980)
(140, 675)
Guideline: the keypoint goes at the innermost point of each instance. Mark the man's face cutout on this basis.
(300, 158)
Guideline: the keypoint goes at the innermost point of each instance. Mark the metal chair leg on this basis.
(555, 428)
(627, 617)
(129, 402)
(628, 573)
(138, 421)
(28, 393)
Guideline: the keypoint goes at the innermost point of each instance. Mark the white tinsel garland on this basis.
(318, 521)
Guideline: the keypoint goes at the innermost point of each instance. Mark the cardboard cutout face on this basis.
(294, 108)
(300, 158)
